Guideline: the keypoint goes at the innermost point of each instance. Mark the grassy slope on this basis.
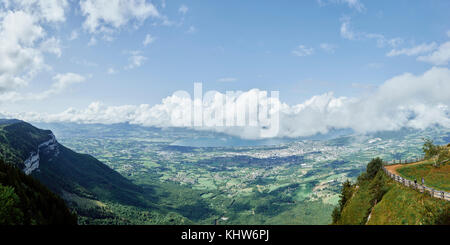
(358, 207)
(404, 206)
(438, 178)
(399, 205)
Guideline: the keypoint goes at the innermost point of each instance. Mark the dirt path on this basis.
(393, 168)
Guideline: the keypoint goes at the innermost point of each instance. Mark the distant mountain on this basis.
(71, 175)
(96, 192)
(38, 153)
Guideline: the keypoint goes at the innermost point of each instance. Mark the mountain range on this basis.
(94, 191)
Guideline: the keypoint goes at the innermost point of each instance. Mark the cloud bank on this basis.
(407, 100)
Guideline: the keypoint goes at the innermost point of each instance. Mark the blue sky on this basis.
(300, 48)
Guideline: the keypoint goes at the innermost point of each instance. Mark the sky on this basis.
(335, 63)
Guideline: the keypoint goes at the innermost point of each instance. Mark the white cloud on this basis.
(416, 50)
(347, 32)
(135, 60)
(183, 9)
(148, 40)
(53, 11)
(24, 41)
(52, 45)
(439, 57)
(9, 82)
(20, 53)
(407, 100)
(50, 11)
(62, 81)
(302, 50)
(356, 4)
(22, 28)
(60, 84)
(382, 41)
(106, 15)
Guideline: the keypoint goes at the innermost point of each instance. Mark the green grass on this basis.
(304, 213)
(358, 207)
(404, 206)
(438, 178)
(399, 205)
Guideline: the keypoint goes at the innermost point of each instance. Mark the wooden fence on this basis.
(421, 188)
(404, 161)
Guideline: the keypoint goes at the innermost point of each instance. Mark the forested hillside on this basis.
(25, 201)
(97, 193)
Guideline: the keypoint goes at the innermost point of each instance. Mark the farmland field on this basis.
(296, 181)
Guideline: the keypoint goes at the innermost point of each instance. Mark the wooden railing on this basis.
(404, 161)
(421, 188)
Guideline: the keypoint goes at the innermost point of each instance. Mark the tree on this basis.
(443, 157)
(10, 214)
(430, 149)
(378, 188)
(336, 215)
(346, 194)
(373, 167)
(439, 154)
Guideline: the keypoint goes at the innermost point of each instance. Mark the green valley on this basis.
(143, 177)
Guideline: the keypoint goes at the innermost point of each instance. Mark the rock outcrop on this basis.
(48, 147)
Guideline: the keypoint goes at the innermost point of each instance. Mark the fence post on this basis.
(443, 197)
(432, 192)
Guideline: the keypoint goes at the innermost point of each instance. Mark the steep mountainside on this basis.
(96, 192)
(38, 154)
(25, 201)
(375, 199)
